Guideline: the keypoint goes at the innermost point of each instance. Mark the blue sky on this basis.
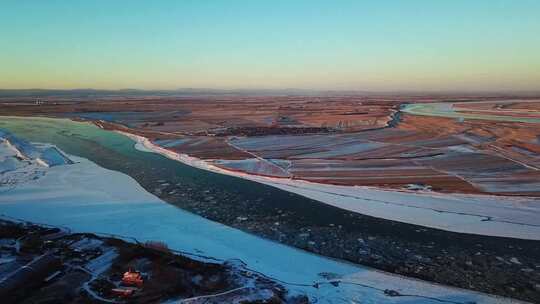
(364, 45)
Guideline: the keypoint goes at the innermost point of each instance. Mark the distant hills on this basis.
(85, 93)
(177, 92)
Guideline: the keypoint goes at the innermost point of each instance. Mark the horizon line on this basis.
(312, 90)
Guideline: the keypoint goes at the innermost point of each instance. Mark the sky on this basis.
(378, 45)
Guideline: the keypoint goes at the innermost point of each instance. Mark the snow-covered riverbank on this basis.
(88, 198)
(516, 217)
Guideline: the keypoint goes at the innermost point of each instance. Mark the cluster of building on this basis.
(131, 281)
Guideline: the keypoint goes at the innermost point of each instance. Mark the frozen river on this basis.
(88, 198)
(446, 109)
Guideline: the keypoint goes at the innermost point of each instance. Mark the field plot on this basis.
(459, 157)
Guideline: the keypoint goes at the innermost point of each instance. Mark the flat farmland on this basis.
(342, 140)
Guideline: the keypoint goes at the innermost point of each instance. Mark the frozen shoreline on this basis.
(514, 217)
(87, 198)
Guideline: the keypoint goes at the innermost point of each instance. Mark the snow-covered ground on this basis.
(516, 217)
(43, 154)
(87, 198)
(16, 167)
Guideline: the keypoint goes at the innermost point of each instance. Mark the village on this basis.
(40, 264)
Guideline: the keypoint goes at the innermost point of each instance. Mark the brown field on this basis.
(347, 140)
(518, 108)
